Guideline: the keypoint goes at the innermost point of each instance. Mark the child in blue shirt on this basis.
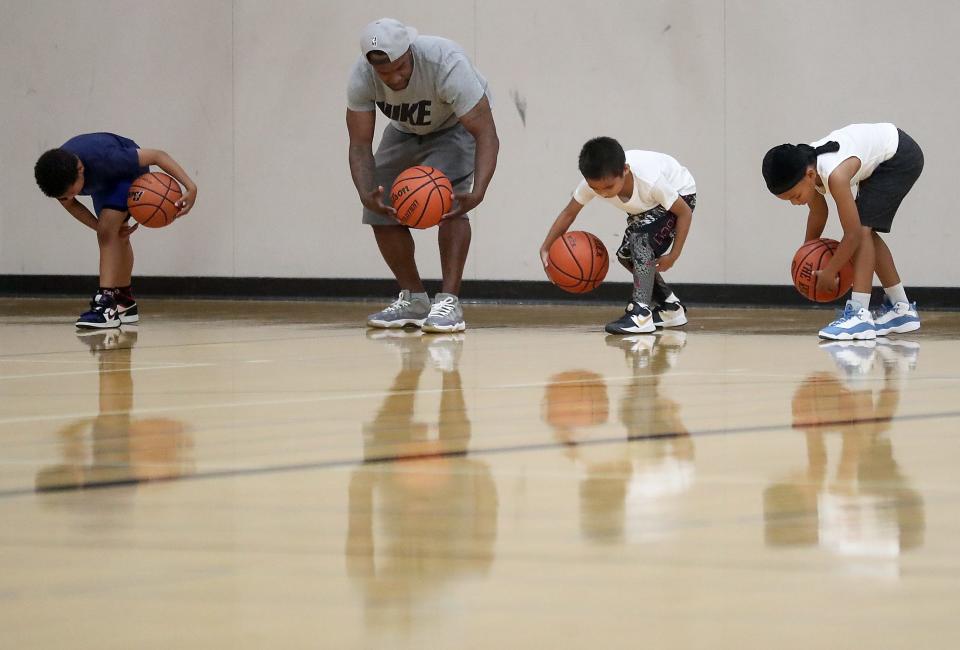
(102, 166)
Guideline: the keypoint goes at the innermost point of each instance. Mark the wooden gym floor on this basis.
(272, 475)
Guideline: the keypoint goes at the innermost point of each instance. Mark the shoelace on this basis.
(846, 314)
(398, 304)
(443, 308)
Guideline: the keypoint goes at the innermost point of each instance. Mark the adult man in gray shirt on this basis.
(440, 116)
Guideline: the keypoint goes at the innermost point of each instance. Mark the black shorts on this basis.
(880, 195)
(660, 225)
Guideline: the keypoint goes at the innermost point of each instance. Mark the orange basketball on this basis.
(152, 199)
(421, 195)
(810, 258)
(578, 262)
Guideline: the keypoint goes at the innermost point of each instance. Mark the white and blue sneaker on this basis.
(896, 319)
(855, 323)
(637, 319)
(101, 315)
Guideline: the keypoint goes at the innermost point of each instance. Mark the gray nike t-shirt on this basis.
(443, 87)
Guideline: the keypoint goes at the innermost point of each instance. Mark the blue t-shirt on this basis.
(110, 164)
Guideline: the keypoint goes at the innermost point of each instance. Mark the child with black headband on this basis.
(868, 169)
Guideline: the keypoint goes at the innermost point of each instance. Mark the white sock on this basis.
(862, 299)
(672, 298)
(896, 294)
(419, 296)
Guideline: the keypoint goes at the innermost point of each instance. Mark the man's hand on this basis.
(373, 201)
(464, 203)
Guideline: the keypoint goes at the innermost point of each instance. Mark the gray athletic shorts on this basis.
(451, 151)
(882, 192)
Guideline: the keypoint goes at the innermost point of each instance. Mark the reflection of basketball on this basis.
(578, 262)
(152, 199)
(576, 398)
(810, 258)
(421, 195)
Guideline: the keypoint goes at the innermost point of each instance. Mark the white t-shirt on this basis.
(871, 143)
(444, 86)
(658, 179)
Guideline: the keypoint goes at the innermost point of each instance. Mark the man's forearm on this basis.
(485, 162)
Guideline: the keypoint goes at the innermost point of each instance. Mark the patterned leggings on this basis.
(647, 237)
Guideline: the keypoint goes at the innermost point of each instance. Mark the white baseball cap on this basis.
(387, 35)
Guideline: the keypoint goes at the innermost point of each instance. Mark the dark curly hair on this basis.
(602, 158)
(56, 171)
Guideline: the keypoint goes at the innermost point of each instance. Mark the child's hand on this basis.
(186, 202)
(664, 263)
(126, 231)
(545, 259)
(826, 282)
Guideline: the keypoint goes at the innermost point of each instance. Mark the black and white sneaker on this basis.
(101, 315)
(637, 319)
(670, 314)
(127, 311)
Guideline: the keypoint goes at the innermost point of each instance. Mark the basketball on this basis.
(578, 262)
(152, 199)
(421, 195)
(810, 258)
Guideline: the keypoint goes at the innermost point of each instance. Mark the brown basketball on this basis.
(578, 262)
(152, 199)
(810, 258)
(421, 195)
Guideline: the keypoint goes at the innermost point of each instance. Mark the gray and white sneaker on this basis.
(405, 310)
(446, 315)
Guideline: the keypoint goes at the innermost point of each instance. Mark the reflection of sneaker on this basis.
(896, 319)
(670, 314)
(637, 319)
(853, 358)
(636, 348)
(445, 351)
(403, 311)
(99, 340)
(407, 342)
(111, 339)
(898, 355)
(671, 341)
(855, 323)
(101, 315)
(446, 315)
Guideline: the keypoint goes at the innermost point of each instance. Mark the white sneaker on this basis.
(670, 314)
(855, 323)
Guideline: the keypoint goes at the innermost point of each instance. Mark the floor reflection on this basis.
(422, 513)
(115, 448)
(626, 491)
(850, 498)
